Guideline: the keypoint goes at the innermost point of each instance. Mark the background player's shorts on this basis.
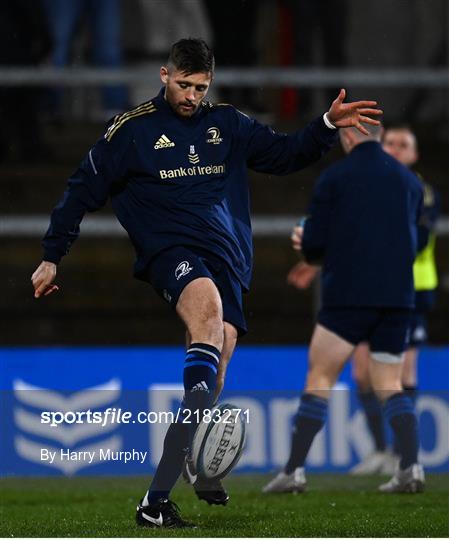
(173, 269)
(424, 301)
(385, 329)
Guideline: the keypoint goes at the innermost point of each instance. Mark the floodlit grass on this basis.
(334, 505)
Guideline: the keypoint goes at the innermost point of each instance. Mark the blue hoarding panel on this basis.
(127, 397)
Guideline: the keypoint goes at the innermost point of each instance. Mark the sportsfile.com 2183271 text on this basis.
(113, 415)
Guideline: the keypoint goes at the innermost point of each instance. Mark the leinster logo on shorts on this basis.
(182, 269)
(214, 134)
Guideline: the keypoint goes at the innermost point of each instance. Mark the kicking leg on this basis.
(212, 491)
(199, 306)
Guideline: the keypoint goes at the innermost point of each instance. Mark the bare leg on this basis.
(327, 356)
(409, 368)
(200, 308)
(230, 341)
(360, 367)
(385, 378)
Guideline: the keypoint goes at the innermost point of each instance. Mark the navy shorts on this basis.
(424, 301)
(171, 270)
(385, 329)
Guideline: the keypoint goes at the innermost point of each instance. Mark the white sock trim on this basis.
(197, 349)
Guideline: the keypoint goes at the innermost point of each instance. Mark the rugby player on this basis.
(400, 142)
(175, 169)
(362, 228)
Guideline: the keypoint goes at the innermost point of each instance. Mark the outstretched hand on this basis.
(43, 278)
(353, 114)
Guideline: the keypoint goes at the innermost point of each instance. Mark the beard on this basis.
(186, 109)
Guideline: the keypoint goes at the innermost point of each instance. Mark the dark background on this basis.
(41, 144)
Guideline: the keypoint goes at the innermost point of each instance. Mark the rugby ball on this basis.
(218, 442)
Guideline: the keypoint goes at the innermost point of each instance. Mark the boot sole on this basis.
(213, 502)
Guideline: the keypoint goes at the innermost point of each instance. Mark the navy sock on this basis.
(175, 447)
(411, 392)
(399, 411)
(200, 373)
(309, 420)
(374, 418)
(200, 380)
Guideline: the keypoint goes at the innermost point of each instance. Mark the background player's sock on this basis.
(200, 380)
(309, 420)
(175, 447)
(412, 393)
(399, 411)
(374, 418)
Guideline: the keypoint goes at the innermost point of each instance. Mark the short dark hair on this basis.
(192, 55)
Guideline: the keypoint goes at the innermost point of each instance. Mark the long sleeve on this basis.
(316, 227)
(278, 153)
(87, 190)
(429, 215)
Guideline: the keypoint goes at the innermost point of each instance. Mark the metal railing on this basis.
(34, 226)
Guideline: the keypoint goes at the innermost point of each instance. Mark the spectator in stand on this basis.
(63, 18)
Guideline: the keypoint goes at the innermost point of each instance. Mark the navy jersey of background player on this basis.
(176, 181)
(383, 205)
(430, 213)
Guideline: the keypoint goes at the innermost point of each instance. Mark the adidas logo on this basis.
(163, 142)
(201, 386)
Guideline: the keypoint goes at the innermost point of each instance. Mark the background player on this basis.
(176, 171)
(365, 297)
(400, 142)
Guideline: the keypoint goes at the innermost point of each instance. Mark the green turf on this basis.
(334, 505)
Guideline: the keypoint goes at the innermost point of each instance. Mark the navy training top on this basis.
(430, 214)
(176, 181)
(362, 227)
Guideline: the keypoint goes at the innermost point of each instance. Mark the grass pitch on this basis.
(334, 505)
